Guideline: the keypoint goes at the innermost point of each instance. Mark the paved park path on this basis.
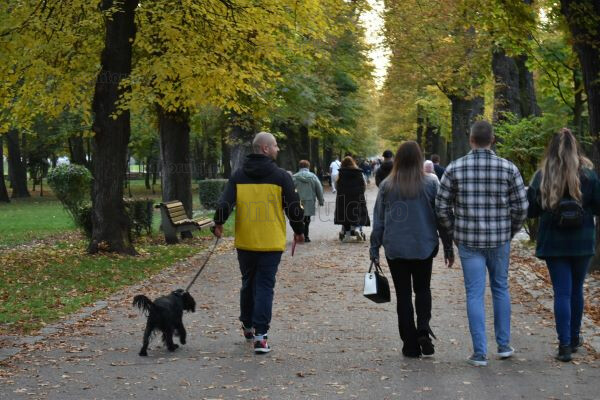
(328, 342)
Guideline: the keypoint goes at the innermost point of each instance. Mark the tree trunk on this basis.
(420, 125)
(578, 105)
(304, 151)
(240, 139)
(225, 154)
(464, 113)
(212, 156)
(506, 86)
(198, 160)
(3, 192)
(110, 222)
(77, 151)
(432, 138)
(147, 173)
(586, 43)
(327, 154)
(174, 132)
(315, 156)
(527, 99)
(17, 169)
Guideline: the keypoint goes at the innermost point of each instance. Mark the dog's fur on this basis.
(165, 314)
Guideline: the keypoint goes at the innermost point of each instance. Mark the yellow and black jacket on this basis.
(261, 192)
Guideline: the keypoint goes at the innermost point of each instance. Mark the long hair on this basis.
(348, 162)
(407, 174)
(561, 168)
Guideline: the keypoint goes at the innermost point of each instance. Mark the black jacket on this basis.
(439, 170)
(383, 171)
(350, 202)
(261, 192)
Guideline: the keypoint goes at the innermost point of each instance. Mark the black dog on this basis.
(165, 314)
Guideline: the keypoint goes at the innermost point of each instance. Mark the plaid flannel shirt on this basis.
(482, 200)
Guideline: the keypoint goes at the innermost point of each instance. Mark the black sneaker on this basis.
(564, 353)
(425, 343)
(248, 333)
(306, 240)
(411, 350)
(576, 344)
(260, 344)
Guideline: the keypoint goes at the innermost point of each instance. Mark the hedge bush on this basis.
(210, 190)
(71, 184)
(139, 211)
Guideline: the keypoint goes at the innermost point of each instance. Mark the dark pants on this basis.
(258, 281)
(306, 223)
(568, 274)
(418, 273)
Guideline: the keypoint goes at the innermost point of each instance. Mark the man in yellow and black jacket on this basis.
(261, 193)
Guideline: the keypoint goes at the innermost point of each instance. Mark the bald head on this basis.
(265, 143)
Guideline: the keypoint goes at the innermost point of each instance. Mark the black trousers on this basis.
(306, 223)
(409, 275)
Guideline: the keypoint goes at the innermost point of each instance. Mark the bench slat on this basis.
(174, 204)
(177, 213)
(179, 218)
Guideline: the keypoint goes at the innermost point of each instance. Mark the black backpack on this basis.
(569, 214)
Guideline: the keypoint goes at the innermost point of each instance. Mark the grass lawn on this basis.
(39, 286)
(24, 220)
(34, 218)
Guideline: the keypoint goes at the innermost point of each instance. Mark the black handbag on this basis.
(376, 287)
(569, 214)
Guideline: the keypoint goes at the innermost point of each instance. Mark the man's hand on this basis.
(217, 230)
(449, 260)
(299, 238)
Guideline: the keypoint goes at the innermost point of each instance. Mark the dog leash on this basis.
(187, 289)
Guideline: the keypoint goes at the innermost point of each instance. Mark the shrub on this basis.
(140, 213)
(210, 190)
(71, 184)
(82, 216)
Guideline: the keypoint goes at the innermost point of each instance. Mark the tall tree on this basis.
(3, 192)
(583, 19)
(17, 168)
(176, 168)
(432, 44)
(112, 129)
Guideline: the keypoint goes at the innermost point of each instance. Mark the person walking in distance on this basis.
(334, 170)
(565, 184)
(404, 222)
(482, 200)
(386, 167)
(350, 202)
(439, 170)
(261, 193)
(309, 188)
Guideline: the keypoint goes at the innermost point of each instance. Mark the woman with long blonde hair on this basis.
(565, 195)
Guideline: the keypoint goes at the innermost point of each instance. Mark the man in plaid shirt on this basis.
(482, 200)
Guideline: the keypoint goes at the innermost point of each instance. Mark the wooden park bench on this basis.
(174, 220)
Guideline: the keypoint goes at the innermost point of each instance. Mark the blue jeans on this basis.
(474, 262)
(258, 282)
(568, 274)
